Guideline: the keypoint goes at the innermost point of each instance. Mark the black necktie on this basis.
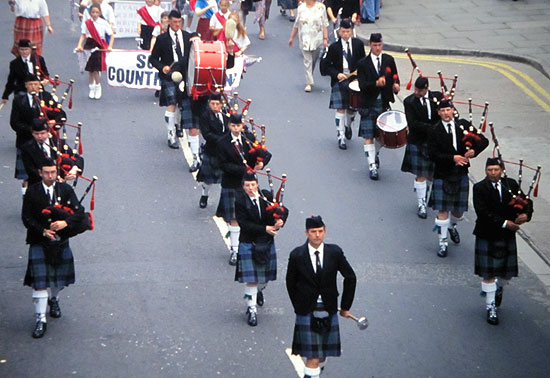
(449, 129)
(378, 66)
(44, 149)
(49, 190)
(255, 202)
(317, 263)
(178, 47)
(347, 53)
(496, 186)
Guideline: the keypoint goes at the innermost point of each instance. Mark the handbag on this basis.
(498, 249)
(451, 185)
(261, 252)
(320, 325)
(323, 63)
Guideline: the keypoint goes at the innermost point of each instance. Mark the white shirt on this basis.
(453, 131)
(154, 12)
(215, 23)
(375, 61)
(257, 199)
(31, 8)
(214, 9)
(235, 139)
(28, 62)
(310, 23)
(313, 259)
(345, 65)
(107, 13)
(101, 26)
(31, 101)
(426, 100)
(49, 191)
(241, 41)
(180, 39)
(45, 148)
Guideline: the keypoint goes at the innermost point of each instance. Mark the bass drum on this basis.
(206, 69)
(392, 130)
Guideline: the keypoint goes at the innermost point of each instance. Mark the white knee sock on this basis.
(420, 188)
(261, 287)
(40, 299)
(234, 232)
(313, 373)
(206, 189)
(443, 226)
(489, 289)
(251, 294)
(455, 220)
(370, 151)
(194, 145)
(350, 117)
(170, 119)
(54, 292)
(339, 120)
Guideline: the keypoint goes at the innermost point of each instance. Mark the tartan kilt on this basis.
(248, 271)
(209, 172)
(416, 161)
(28, 28)
(226, 206)
(20, 171)
(457, 203)
(339, 96)
(488, 266)
(41, 274)
(367, 127)
(169, 95)
(94, 61)
(309, 344)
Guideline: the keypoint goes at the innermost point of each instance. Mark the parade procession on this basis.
(233, 234)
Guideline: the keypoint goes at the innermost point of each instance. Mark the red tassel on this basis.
(92, 223)
(71, 98)
(92, 200)
(536, 192)
(484, 127)
(80, 146)
(409, 84)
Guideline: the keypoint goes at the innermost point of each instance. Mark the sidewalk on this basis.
(513, 30)
(517, 31)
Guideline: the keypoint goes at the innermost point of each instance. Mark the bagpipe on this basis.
(62, 211)
(471, 136)
(275, 209)
(521, 202)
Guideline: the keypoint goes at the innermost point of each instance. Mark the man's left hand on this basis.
(396, 88)
(58, 225)
(470, 154)
(344, 313)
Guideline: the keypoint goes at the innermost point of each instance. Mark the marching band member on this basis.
(378, 81)
(213, 125)
(257, 258)
(421, 113)
(93, 37)
(311, 286)
(25, 109)
(232, 152)
(38, 149)
(217, 21)
(205, 9)
(496, 227)
(50, 264)
(160, 29)
(342, 62)
(150, 18)
(21, 67)
(451, 159)
(28, 22)
(240, 40)
(107, 13)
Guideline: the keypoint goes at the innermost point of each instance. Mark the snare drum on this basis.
(392, 129)
(354, 94)
(206, 69)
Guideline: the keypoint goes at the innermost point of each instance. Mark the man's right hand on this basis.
(381, 81)
(50, 234)
(4, 100)
(512, 226)
(460, 160)
(165, 70)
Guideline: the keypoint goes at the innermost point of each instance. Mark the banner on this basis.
(131, 69)
(233, 75)
(127, 17)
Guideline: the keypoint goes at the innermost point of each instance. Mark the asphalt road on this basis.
(155, 296)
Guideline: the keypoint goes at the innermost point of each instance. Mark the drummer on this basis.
(341, 64)
(421, 112)
(378, 82)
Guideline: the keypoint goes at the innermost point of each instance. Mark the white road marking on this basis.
(297, 362)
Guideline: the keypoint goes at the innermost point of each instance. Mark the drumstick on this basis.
(1, 106)
(349, 75)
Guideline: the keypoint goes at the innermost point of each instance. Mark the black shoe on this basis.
(173, 144)
(157, 94)
(492, 316)
(422, 212)
(203, 202)
(455, 237)
(233, 258)
(442, 250)
(373, 174)
(342, 144)
(377, 161)
(348, 132)
(195, 167)
(260, 298)
(179, 131)
(252, 317)
(39, 330)
(55, 310)
(498, 296)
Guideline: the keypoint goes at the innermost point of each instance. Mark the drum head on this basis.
(354, 86)
(391, 121)
(191, 67)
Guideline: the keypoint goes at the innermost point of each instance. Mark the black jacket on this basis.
(333, 61)
(492, 212)
(304, 286)
(349, 7)
(367, 76)
(212, 130)
(417, 118)
(36, 200)
(441, 150)
(17, 74)
(33, 157)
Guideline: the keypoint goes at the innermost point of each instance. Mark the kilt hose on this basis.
(309, 344)
(42, 273)
(416, 161)
(496, 258)
(28, 28)
(249, 271)
(442, 201)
